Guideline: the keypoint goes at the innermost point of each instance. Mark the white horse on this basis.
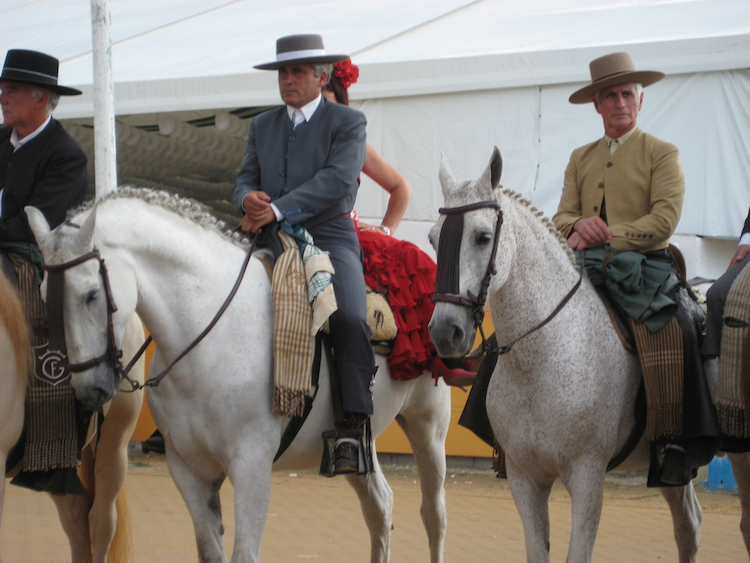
(97, 523)
(561, 402)
(168, 260)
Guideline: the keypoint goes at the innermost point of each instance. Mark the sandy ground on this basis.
(316, 518)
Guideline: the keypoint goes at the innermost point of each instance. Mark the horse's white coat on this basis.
(561, 402)
(214, 407)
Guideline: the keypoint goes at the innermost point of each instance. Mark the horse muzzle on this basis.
(452, 336)
(96, 386)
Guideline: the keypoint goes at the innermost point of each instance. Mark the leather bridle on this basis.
(112, 354)
(477, 302)
(444, 293)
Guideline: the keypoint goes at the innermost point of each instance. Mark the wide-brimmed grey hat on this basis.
(33, 67)
(616, 68)
(296, 49)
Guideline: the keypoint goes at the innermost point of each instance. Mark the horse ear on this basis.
(85, 236)
(446, 176)
(38, 224)
(496, 168)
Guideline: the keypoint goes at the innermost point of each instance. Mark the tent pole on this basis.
(105, 140)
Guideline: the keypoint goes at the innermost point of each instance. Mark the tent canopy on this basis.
(455, 76)
(198, 54)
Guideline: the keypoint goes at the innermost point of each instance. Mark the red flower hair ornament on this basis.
(347, 72)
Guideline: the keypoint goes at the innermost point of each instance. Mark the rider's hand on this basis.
(739, 255)
(592, 231)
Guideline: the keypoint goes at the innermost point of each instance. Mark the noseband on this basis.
(55, 285)
(448, 263)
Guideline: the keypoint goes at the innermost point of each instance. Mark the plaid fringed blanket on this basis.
(734, 361)
(661, 357)
(303, 299)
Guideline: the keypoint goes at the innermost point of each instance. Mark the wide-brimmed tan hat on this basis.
(296, 49)
(617, 68)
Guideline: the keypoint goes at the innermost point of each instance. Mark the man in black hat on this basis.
(302, 165)
(40, 163)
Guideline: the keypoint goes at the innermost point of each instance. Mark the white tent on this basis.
(440, 75)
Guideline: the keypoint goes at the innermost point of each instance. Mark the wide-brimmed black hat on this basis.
(32, 67)
(609, 70)
(296, 49)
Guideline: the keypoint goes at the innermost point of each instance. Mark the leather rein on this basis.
(477, 302)
(113, 355)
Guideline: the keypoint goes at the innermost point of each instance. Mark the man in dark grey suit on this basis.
(40, 164)
(302, 165)
(717, 294)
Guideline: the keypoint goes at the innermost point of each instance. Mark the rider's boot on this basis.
(350, 439)
(348, 449)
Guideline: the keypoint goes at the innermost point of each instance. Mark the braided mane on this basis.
(546, 221)
(182, 206)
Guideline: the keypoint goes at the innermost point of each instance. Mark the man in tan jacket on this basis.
(626, 190)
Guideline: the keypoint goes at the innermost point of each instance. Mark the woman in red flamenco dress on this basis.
(398, 269)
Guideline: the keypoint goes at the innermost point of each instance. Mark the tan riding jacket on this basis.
(642, 184)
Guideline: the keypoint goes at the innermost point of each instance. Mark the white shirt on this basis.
(307, 111)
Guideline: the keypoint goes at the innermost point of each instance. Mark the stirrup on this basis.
(360, 438)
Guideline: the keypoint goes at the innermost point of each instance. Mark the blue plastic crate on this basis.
(720, 476)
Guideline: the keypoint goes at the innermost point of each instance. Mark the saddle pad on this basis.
(50, 418)
(734, 373)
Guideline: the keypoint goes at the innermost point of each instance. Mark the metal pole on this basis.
(105, 139)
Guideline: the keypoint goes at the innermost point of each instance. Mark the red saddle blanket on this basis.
(405, 275)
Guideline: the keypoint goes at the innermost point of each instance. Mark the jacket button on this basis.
(601, 184)
(609, 165)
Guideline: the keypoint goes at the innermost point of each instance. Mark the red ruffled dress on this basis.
(405, 275)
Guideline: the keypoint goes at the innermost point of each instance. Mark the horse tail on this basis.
(121, 549)
(13, 319)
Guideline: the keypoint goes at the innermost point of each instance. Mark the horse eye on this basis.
(483, 238)
(91, 295)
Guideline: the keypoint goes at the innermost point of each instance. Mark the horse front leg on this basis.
(531, 498)
(376, 500)
(687, 518)
(585, 484)
(73, 511)
(427, 428)
(250, 475)
(741, 468)
(200, 491)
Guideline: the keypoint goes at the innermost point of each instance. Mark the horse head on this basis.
(93, 324)
(466, 238)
